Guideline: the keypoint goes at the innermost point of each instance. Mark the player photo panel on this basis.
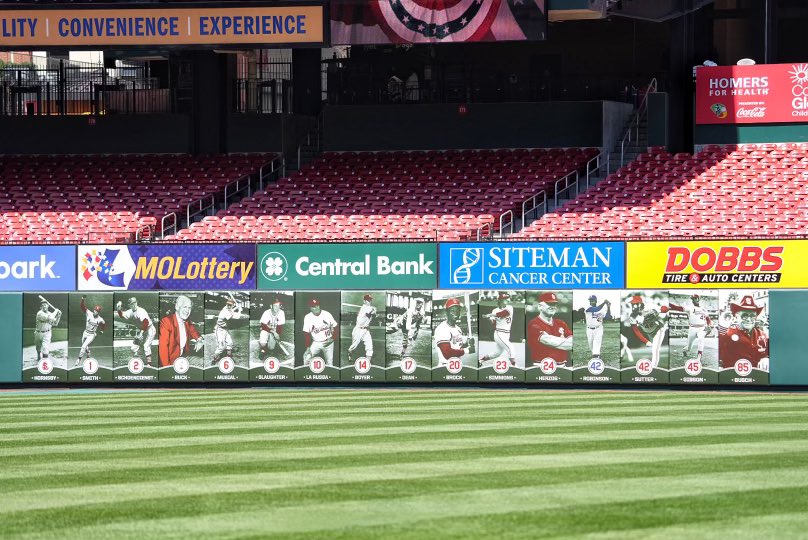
(743, 336)
(454, 336)
(644, 354)
(135, 318)
(45, 320)
(548, 337)
(89, 337)
(408, 336)
(596, 336)
(317, 354)
(272, 336)
(693, 336)
(501, 316)
(362, 336)
(182, 342)
(227, 333)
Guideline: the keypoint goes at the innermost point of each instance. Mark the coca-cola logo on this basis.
(755, 112)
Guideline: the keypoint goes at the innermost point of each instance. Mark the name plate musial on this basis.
(159, 26)
(534, 265)
(754, 264)
(402, 265)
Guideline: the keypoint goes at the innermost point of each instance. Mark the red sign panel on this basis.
(759, 94)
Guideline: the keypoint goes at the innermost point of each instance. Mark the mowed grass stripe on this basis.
(230, 398)
(248, 480)
(233, 419)
(312, 433)
(586, 495)
(516, 453)
(12, 420)
(202, 504)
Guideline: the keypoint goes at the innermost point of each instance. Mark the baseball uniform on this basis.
(271, 326)
(699, 320)
(146, 331)
(410, 323)
(321, 329)
(93, 324)
(555, 329)
(361, 332)
(449, 342)
(224, 341)
(45, 320)
(594, 327)
(502, 319)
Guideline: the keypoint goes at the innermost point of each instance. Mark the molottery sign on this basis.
(557, 265)
(156, 26)
(755, 264)
(166, 266)
(37, 268)
(752, 94)
(347, 266)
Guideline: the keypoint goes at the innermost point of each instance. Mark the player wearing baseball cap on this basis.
(272, 321)
(502, 319)
(449, 339)
(93, 326)
(146, 331)
(700, 324)
(642, 327)
(410, 324)
(361, 330)
(745, 339)
(224, 341)
(320, 330)
(548, 337)
(594, 315)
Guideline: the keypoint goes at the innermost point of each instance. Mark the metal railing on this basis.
(531, 205)
(168, 223)
(485, 232)
(565, 184)
(506, 222)
(599, 164)
(203, 205)
(634, 125)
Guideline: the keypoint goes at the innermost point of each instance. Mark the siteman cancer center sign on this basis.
(559, 265)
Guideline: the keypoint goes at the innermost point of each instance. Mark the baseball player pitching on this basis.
(146, 330)
(594, 324)
(43, 331)
(272, 321)
(361, 331)
(643, 327)
(410, 323)
(224, 341)
(700, 324)
(449, 339)
(548, 337)
(94, 325)
(320, 329)
(502, 319)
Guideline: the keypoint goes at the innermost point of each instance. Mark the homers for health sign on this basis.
(757, 94)
(557, 265)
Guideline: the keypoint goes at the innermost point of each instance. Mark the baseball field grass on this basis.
(354, 464)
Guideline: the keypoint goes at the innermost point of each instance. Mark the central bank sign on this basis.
(347, 266)
(534, 265)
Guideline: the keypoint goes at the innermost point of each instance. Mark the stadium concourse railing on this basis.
(536, 205)
(634, 125)
(239, 188)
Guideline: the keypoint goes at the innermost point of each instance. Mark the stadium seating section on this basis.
(747, 191)
(431, 195)
(73, 199)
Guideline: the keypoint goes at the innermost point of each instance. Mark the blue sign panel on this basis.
(166, 266)
(37, 268)
(532, 265)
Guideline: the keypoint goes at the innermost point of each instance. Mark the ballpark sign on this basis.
(94, 27)
(166, 266)
(557, 265)
(756, 94)
(37, 268)
(347, 266)
(757, 264)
